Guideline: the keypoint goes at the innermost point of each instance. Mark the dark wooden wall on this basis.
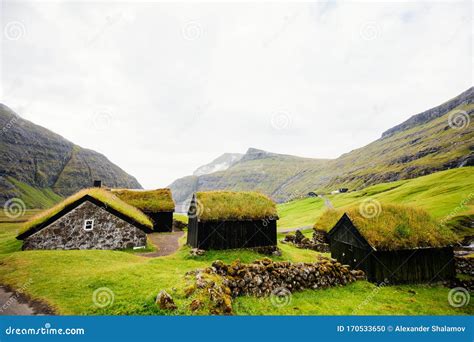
(412, 265)
(400, 266)
(231, 234)
(344, 231)
(356, 257)
(162, 221)
(192, 239)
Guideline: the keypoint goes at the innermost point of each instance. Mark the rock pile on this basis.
(319, 241)
(213, 287)
(262, 277)
(178, 225)
(464, 265)
(211, 296)
(267, 250)
(165, 301)
(195, 252)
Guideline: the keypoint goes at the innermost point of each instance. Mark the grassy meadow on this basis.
(67, 280)
(445, 195)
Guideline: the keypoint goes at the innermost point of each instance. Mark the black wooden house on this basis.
(349, 245)
(157, 204)
(230, 220)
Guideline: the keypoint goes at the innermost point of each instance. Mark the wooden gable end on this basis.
(344, 231)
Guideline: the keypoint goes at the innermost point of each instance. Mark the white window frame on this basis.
(87, 223)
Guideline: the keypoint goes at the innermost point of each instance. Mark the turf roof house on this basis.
(228, 220)
(157, 204)
(400, 245)
(90, 219)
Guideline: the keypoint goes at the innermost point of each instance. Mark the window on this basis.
(88, 224)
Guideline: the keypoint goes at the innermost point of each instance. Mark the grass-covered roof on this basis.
(233, 205)
(147, 200)
(395, 227)
(102, 195)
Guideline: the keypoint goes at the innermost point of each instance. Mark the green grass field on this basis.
(67, 280)
(444, 194)
(35, 197)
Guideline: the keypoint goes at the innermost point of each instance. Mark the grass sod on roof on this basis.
(147, 200)
(395, 227)
(102, 195)
(230, 205)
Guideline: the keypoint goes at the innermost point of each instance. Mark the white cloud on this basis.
(181, 84)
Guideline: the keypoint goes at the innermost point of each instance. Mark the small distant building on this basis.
(90, 219)
(312, 194)
(157, 204)
(395, 252)
(229, 220)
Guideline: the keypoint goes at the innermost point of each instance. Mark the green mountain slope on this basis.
(446, 195)
(423, 144)
(37, 165)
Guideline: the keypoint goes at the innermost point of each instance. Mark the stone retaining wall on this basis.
(319, 242)
(263, 277)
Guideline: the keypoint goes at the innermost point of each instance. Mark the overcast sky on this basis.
(161, 88)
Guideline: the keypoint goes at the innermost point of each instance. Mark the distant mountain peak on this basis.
(255, 153)
(432, 145)
(221, 163)
(253, 150)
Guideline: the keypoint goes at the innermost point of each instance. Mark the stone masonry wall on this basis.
(109, 232)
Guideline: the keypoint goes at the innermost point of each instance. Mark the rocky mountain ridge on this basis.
(433, 113)
(34, 157)
(437, 139)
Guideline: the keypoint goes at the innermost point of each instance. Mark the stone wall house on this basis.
(91, 219)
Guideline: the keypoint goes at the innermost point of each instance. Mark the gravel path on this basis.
(10, 305)
(18, 303)
(165, 243)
